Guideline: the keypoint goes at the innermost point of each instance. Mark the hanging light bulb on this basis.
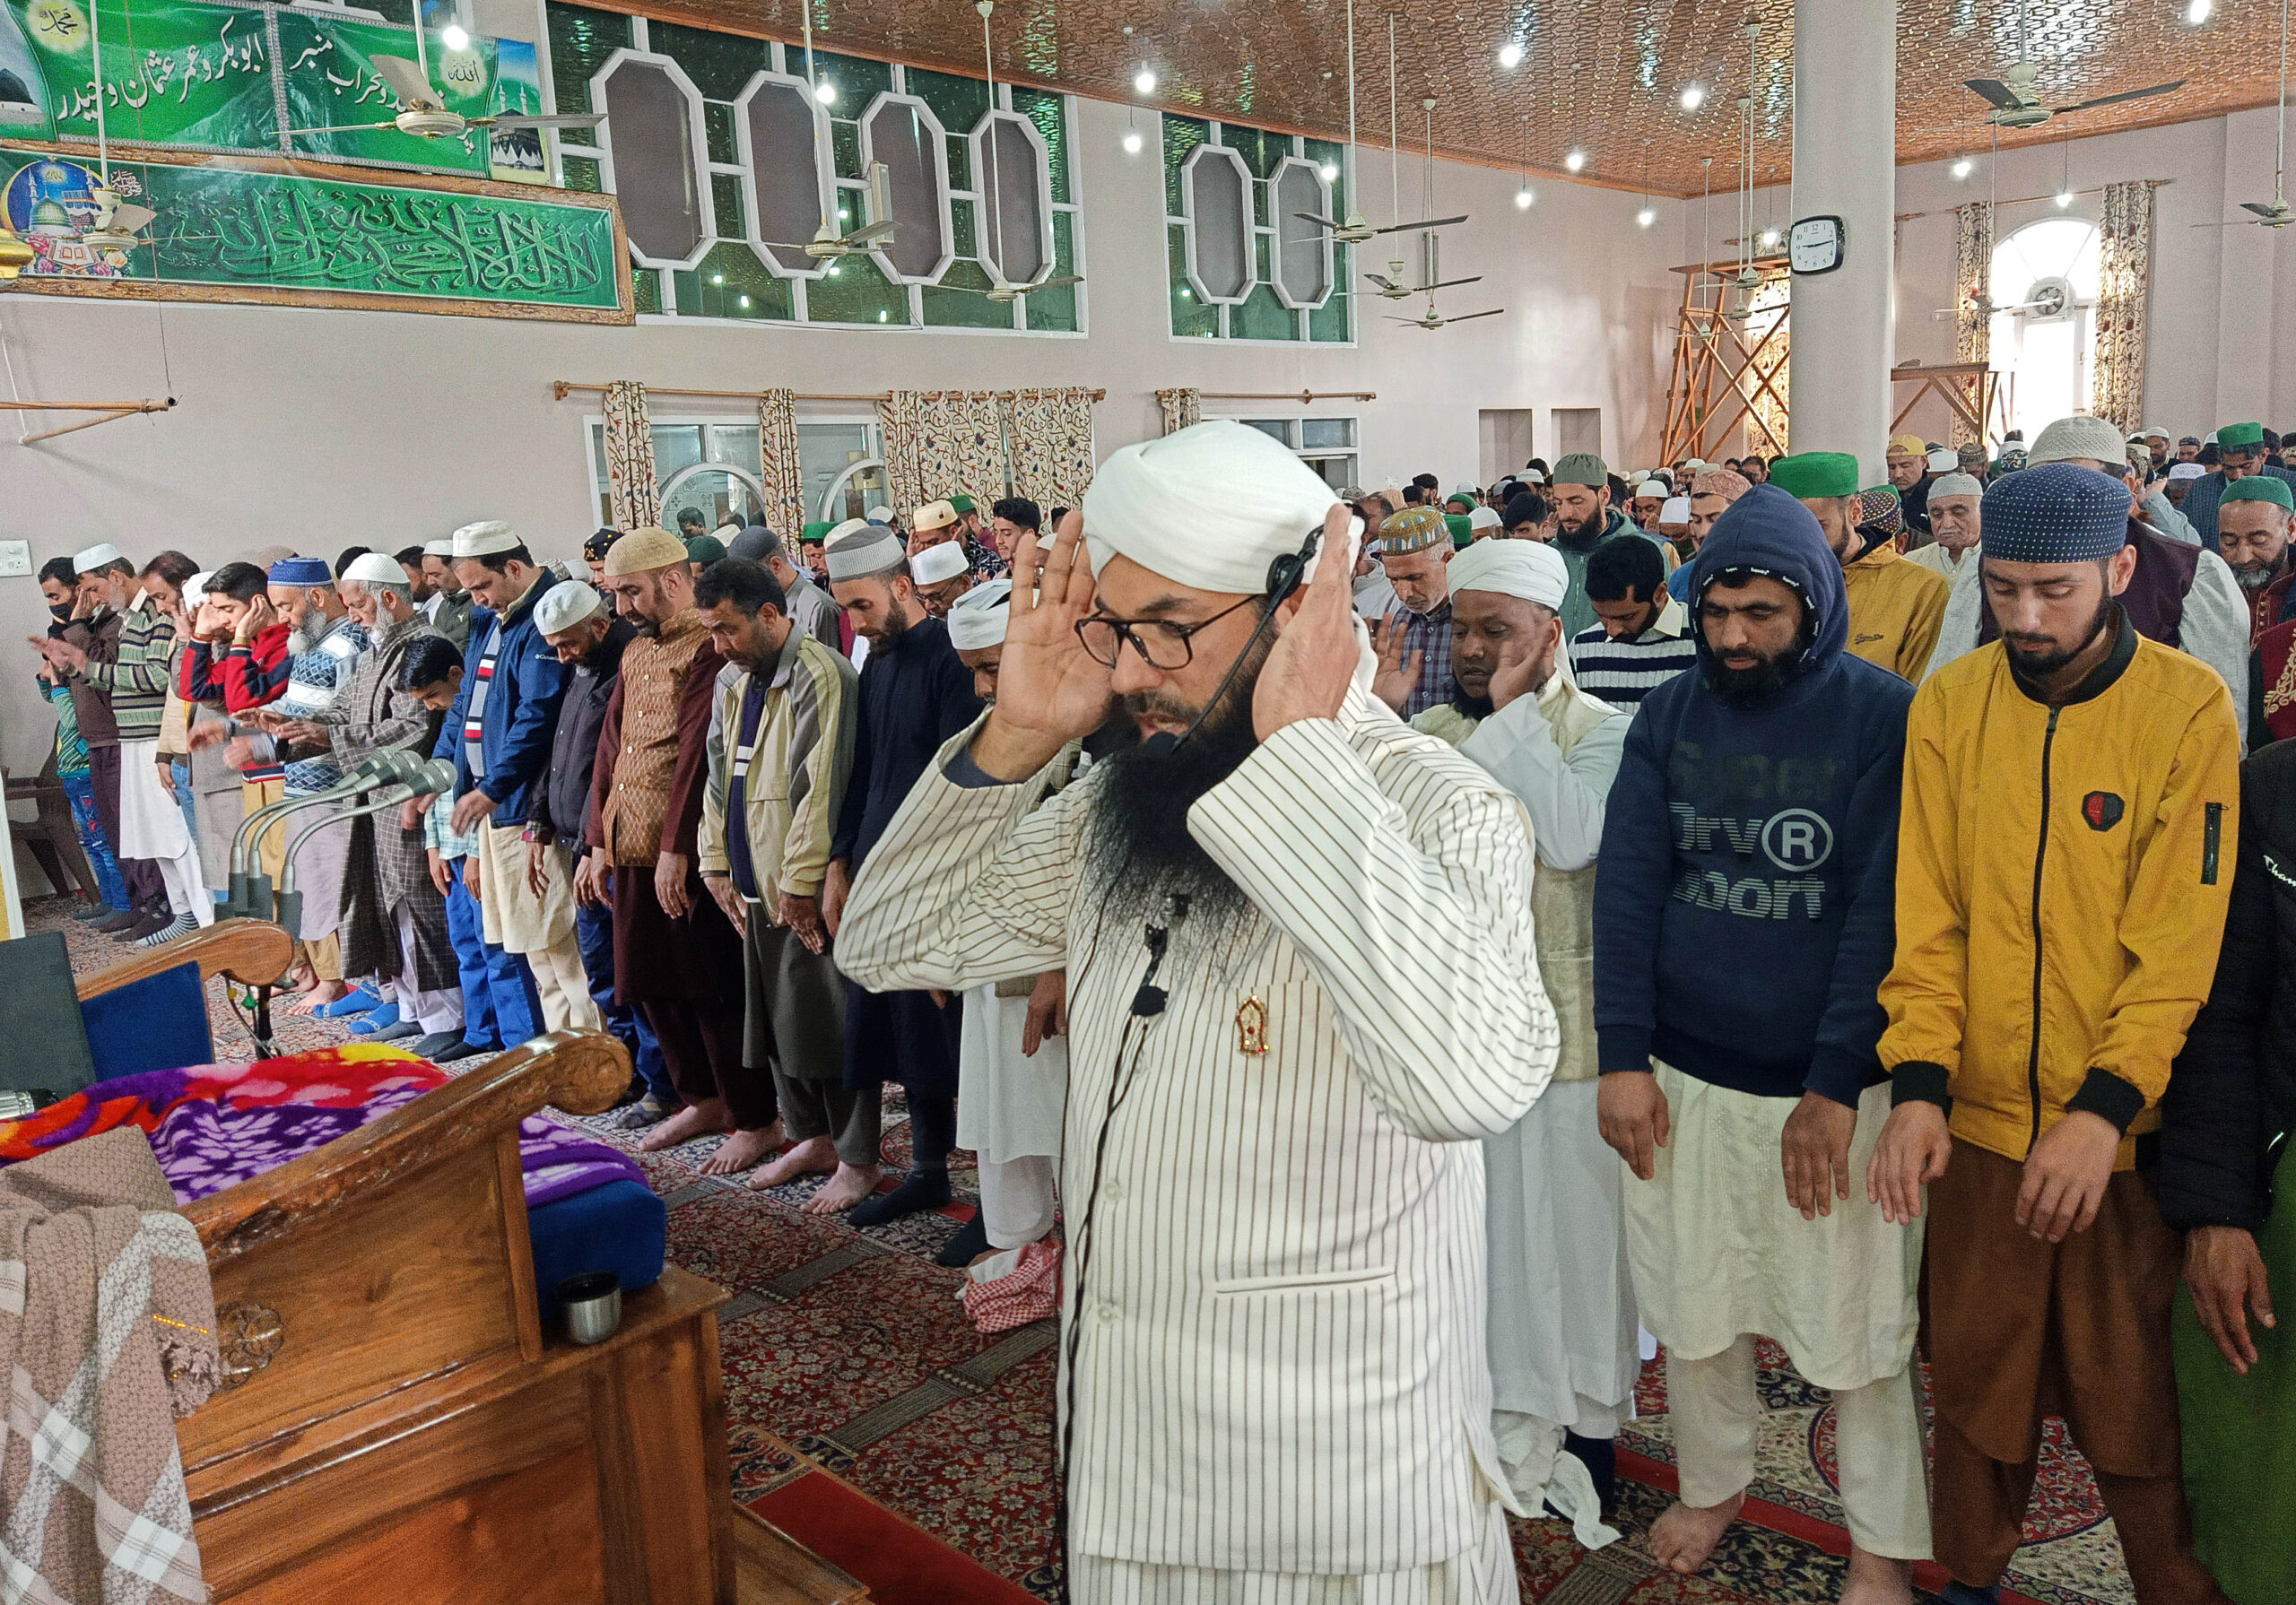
(1523, 198)
(1328, 172)
(453, 36)
(1646, 217)
(1767, 239)
(1132, 142)
(826, 93)
(1144, 81)
(745, 300)
(1510, 55)
(2199, 12)
(2064, 199)
(1694, 96)
(1575, 161)
(1963, 168)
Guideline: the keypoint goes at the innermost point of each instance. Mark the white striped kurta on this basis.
(1280, 1356)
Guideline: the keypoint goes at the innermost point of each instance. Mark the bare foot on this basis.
(321, 991)
(744, 1148)
(695, 1120)
(1876, 1580)
(848, 1187)
(816, 1156)
(1682, 1539)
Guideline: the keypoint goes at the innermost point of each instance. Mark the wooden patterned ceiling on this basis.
(1604, 76)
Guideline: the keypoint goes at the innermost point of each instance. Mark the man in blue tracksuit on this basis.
(1743, 922)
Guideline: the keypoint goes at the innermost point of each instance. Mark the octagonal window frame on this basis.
(1222, 155)
(697, 146)
(824, 173)
(1280, 212)
(981, 152)
(939, 145)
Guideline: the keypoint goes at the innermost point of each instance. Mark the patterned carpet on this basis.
(870, 1422)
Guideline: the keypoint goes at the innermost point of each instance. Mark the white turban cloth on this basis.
(1530, 569)
(1211, 506)
(979, 617)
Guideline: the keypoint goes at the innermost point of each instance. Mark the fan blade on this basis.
(869, 233)
(2134, 94)
(1312, 217)
(343, 128)
(127, 219)
(1383, 282)
(1432, 223)
(1995, 91)
(1464, 317)
(1445, 284)
(590, 119)
(1055, 282)
(1391, 317)
(2277, 209)
(406, 81)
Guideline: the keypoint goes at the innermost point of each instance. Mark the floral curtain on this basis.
(2125, 282)
(940, 442)
(1181, 408)
(1050, 433)
(633, 494)
(1972, 290)
(778, 469)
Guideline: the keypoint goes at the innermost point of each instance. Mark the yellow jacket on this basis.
(2063, 875)
(1896, 609)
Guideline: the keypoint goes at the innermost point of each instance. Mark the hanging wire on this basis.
(1395, 149)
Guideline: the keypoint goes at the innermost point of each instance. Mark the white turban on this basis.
(1530, 569)
(939, 562)
(978, 618)
(196, 587)
(1211, 506)
(375, 568)
(565, 605)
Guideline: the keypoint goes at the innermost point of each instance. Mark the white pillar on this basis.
(1845, 165)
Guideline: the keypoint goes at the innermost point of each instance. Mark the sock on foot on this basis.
(1600, 1457)
(182, 925)
(968, 1245)
(927, 1187)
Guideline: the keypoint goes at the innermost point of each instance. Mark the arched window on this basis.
(2045, 283)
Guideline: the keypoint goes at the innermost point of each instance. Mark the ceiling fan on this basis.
(1433, 319)
(1000, 288)
(827, 244)
(1393, 286)
(2016, 105)
(2275, 214)
(1355, 230)
(422, 108)
(117, 223)
(2050, 299)
(1431, 249)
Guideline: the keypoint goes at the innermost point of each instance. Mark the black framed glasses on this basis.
(1160, 643)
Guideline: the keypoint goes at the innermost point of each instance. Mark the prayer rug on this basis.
(871, 1422)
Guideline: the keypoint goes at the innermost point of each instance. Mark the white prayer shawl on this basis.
(1281, 1363)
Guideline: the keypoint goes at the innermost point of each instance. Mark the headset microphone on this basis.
(1283, 577)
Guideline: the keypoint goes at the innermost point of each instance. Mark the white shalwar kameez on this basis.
(1009, 1108)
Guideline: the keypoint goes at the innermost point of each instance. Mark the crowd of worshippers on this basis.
(1757, 731)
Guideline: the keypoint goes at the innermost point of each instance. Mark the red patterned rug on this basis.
(870, 1421)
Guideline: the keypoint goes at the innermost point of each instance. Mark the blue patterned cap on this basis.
(301, 571)
(2055, 513)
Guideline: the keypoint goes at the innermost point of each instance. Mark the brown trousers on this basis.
(2017, 1329)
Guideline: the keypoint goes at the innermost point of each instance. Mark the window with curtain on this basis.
(2045, 279)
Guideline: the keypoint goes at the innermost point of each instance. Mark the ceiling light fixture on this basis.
(2064, 199)
(1132, 142)
(2199, 12)
(1768, 239)
(1523, 198)
(1510, 55)
(717, 278)
(745, 300)
(1144, 81)
(1646, 217)
(1575, 161)
(1329, 171)
(825, 92)
(1694, 96)
(1963, 168)
(453, 36)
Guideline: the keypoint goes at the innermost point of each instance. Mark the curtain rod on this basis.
(1303, 397)
(562, 388)
(2095, 190)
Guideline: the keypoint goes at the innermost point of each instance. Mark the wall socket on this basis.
(16, 559)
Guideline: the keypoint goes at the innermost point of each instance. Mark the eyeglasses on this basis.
(1160, 643)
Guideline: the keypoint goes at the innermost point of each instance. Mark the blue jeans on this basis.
(180, 768)
(594, 934)
(79, 791)
(500, 1008)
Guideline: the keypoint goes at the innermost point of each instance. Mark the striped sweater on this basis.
(131, 671)
(317, 675)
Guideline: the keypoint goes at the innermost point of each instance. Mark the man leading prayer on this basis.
(1301, 989)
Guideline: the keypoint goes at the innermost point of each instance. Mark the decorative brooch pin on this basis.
(1251, 1027)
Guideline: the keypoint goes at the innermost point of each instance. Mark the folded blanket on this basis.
(215, 1125)
(107, 1332)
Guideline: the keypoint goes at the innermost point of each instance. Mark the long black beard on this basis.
(1471, 707)
(1749, 687)
(1138, 853)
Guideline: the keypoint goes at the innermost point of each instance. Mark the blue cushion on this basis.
(157, 1023)
(622, 1227)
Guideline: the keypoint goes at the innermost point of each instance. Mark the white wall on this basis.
(320, 428)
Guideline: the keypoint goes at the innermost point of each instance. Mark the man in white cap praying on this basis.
(1562, 1330)
(941, 575)
(448, 606)
(1302, 986)
(915, 695)
(499, 737)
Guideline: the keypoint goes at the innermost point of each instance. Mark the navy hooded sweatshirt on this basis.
(1744, 917)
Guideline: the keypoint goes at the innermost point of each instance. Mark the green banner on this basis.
(215, 74)
(224, 226)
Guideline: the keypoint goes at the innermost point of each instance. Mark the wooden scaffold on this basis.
(1730, 360)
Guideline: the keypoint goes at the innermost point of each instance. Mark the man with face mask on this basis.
(1752, 832)
(1298, 939)
(1562, 1327)
(2071, 817)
